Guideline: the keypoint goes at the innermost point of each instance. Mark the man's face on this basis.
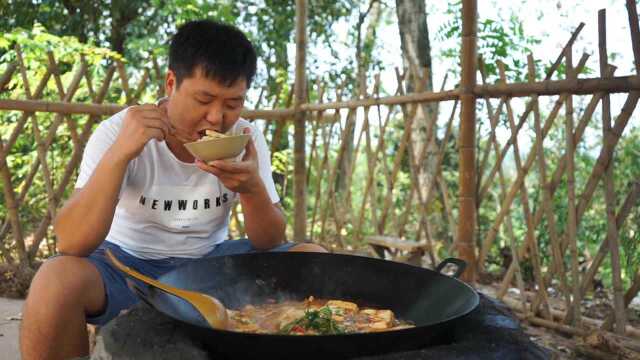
(200, 103)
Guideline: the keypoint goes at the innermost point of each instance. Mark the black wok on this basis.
(428, 298)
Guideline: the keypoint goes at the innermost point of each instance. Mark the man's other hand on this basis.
(238, 176)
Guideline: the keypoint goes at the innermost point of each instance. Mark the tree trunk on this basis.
(416, 55)
(363, 61)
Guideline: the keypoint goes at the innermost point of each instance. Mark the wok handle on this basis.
(460, 266)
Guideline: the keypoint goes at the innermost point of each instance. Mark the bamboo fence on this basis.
(52, 117)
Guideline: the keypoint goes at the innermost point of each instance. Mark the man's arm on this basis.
(264, 221)
(84, 221)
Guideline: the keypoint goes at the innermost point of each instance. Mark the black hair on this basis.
(222, 52)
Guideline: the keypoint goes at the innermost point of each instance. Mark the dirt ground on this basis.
(10, 313)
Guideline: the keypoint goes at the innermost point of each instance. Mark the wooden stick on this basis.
(628, 297)
(517, 184)
(11, 205)
(546, 194)
(7, 75)
(493, 143)
(159, 77)
(559, 171)
(76, 155)
(523, 118)
(629, 202)
(634, 28)
(587, 323)
(524, 199)
(124, 82)
(313, 153)
(609, 191)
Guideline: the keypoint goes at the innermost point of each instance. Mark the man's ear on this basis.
(170, 83)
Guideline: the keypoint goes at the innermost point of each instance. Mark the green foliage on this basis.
(498, 39)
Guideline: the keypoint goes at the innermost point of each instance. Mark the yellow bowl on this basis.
(220, 148)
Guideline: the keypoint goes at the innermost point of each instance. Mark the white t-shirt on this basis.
(168, 207)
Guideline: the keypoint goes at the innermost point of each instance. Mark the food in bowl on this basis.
(212, 134)
(216, 146)
(313, 317)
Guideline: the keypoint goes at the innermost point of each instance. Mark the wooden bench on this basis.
(407, 251)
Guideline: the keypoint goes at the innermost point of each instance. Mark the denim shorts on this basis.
(118, 295)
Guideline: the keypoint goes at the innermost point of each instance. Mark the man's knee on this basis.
(308, 247)
(67, 280)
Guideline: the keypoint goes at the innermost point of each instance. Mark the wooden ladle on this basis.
(209, 307)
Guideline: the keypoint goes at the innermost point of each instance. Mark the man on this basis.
(142, 195)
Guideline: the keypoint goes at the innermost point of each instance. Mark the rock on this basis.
(144, 333)
(488, 332)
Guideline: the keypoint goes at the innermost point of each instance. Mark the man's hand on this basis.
(141, 124)
(238, 176)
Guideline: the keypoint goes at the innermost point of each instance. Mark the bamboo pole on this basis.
(521, 122)
(299, 173)
(466, 145)
(629, 202)
(559, 171)
(571, 204)
(493, 142)
(372, 156)
(628, 297)
(623, 84)
(604, 156)
(11, 205)
(124, 82)
(516, 185)
(409, 117)
(76, 155)
(26, 184)
(524, 199)
(323, 166)
(313, 153)
(609, 192)
(546, 194)
(25, 116)
(634, 28)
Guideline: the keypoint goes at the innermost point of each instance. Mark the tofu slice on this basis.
(345, 306)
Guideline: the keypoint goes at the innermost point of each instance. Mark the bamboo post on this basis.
(609, 192)
(467, 194)
(299, 183)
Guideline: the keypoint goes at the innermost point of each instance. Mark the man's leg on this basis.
(64, 289)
